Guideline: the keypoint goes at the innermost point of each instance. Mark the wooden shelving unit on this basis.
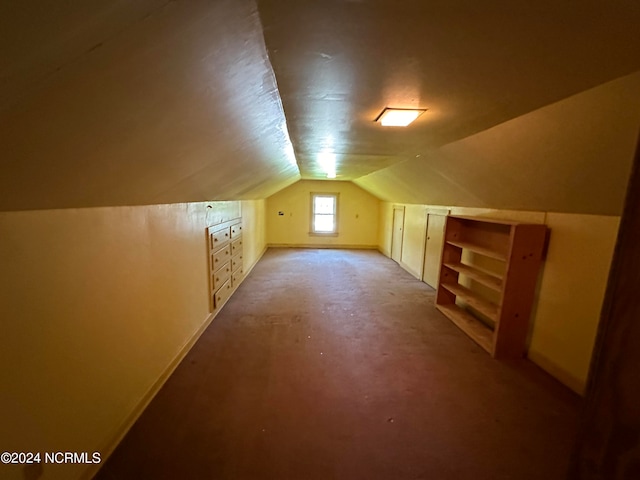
(488, 277)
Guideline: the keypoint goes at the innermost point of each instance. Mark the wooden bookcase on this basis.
(488, 276)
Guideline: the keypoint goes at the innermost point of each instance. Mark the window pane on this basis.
(323, 205)
(323, 223)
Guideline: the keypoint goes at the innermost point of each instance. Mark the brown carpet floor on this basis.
(334, 364)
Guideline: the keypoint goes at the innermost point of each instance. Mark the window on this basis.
(324, 213)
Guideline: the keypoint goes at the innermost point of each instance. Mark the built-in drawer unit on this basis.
(225, 260)
(236, 230)
(236, 247)
(236, 263)
(236, 277)
(220, 238)
(221, 275)
(221, 256)
(222, 294)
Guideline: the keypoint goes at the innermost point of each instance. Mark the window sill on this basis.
(323, 234)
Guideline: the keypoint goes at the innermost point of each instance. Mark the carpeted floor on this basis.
(334, 364)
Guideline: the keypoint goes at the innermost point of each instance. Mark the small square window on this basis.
(324, 213)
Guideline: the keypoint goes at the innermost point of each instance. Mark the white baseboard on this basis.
(336, 246)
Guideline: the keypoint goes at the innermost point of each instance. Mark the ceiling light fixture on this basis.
(399, 117)
(327, 161)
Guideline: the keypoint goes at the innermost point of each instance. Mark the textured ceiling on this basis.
(472, 64)
(572, 156)
(107, 104)
(125, 103)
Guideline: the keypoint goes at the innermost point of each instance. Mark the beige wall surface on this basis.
(357, 216)
(571, 287)
(254, 238)
(414, 237)
(385, 228)
(96, 306)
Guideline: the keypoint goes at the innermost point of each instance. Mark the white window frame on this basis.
(312, 230)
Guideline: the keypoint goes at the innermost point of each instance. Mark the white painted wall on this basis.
(571, 289)
(357, 216)
(96, 307)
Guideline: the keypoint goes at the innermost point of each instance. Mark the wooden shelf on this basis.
(478, 249)
(492, 221)
(487, 279)
(466, 322)
(474, 300)
(497, 322)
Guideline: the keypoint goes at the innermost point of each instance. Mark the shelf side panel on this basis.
(450, 254)
(520, 282)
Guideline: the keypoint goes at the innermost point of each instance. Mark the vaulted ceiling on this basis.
(156, 101)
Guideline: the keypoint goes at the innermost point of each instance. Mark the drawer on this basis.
(221, 275)
(236, 263)
(236, 247)
(222, 294)
(236, 230)
(236, 277)
(220, 237)
(220, 257)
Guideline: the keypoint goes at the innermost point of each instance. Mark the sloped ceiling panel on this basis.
(40, 37)
(167, 102)
(473, 64)
(121, 103)
(572, 156)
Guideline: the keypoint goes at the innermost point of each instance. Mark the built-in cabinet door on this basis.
(396, 237)
(433, 249)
